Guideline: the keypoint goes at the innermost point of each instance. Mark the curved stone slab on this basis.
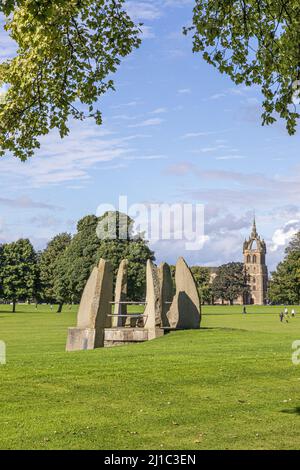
(95, 306)
(185, 309)
(120, 295)
(106, 294)
(166, 291)
(89, 303)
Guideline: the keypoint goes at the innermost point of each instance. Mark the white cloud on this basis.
(147, 157)
(148, 122)
(175, 54)
(125, 117)
(147, 32)
(231, 157)
(223, 240)
(191, 135)
(178, 3)
(142, 11)
(129, 104)
(213, 149)
(282, 236)
(88, 147)
(184, 91)
(215, 97)
(25, 202)
(237, 188)
(159, 111)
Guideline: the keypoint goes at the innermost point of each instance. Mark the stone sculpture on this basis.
(184, 312)
(94, 309)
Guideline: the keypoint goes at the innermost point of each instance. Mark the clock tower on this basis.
(255, 266)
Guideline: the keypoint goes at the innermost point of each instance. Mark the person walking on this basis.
(281, 316)
(244, 310)
(293, 313)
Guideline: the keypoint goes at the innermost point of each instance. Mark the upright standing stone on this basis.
(166, 291)
(153, 306)
(185, 309)
(94, 309)
(120, 295)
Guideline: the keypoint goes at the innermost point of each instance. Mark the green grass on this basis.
(230, 385)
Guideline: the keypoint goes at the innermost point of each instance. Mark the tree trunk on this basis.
(60, 307)
(14, 307)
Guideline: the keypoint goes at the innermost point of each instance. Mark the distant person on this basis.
(51, 307)
(281, 316)
(293, 313)
(244, 310)
(286, 314)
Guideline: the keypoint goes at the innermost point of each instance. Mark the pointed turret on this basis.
(254, 230)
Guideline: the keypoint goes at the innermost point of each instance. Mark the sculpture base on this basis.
(121, 336)
(80, 339)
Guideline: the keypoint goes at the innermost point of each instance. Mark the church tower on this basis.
(255, 266)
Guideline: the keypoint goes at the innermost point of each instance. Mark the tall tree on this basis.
(202, 277)
(255, 42)
(284, 286)
(19, 271)
(118, 241)
(230, 282)
(75, 265)
(137, 253)
(67, 51)
(294, 244)
(47, 264)
(114, 243)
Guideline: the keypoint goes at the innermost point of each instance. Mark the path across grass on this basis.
(230, 385)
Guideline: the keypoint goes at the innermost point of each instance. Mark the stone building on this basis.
(254, 252)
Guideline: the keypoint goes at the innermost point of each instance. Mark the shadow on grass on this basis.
(208, 328)
(250, 314)
(220, 328)
(292, 411)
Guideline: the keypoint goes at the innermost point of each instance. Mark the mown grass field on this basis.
(230, 385)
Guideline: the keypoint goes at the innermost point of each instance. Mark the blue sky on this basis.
(175, 130)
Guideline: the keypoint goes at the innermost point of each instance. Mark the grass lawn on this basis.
(230, 385)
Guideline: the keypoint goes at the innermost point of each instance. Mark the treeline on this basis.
(226, 284)
(59, 273)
